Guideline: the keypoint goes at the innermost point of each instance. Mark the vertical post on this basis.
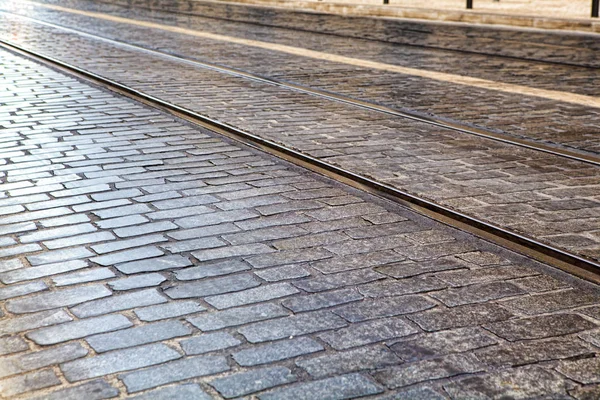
(386, 1)
(595, 8)
(470, 4)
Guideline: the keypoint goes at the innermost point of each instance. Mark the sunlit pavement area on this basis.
(145, 257)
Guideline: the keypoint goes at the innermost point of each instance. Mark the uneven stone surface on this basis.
(314, 291)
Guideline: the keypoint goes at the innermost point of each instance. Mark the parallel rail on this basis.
(580, 156)
(567, 261)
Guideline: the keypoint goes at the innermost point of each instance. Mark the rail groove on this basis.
(559, 258)
(580, 156)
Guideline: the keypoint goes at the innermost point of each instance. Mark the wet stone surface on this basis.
(308, 290)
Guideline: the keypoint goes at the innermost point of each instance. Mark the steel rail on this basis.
(439, 122)
(559, 258)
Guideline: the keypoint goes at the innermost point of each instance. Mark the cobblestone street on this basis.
(144, 257)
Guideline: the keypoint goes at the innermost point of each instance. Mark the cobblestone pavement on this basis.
(560, 123)
(547, 197)
(141, 256)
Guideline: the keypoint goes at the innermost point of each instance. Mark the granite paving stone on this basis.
(360, 359)
(168, 310)
(461, 316)
(177, 392)
(294, 325)
(12, 344)
(244, 383)
(23, 289)
(276, 351)
(89, 275)
(237, 316)
(118, 361)
(212, 269)
(57, 298)
(361, 334)
(209, 342)
(173, 372)
(154, 264)
(410, 373)
(583, 371)
(118, 302)
(539, 327)
(138, 281)
(213, 286)
(386, 307)
(32, 321)
(249, 296)
(28, 382)
(336, 388)
(20, 363)
(78, 329)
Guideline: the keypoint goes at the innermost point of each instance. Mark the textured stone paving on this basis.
(144, 258)
(546, 197)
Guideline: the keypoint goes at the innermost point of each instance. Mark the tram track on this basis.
(573, 263)
(575, 155)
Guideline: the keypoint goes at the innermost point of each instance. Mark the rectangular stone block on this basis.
(118, 361)
(360, 334)
(244, 383)
(277, 351)
(78, 329)
(461, 316)
(249, 296)
(32, 321)
(168, 310)
(118, 302)
(208, 342)
(57, 298)
(20, 363)
(237, 316)
(208, 287)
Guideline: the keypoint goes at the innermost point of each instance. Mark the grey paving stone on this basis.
(208, 342)
(89, 275)
(208, 287)
(419, 393)
(65, 220)
(119, 222)
(352, 210)
(138, 335)
(277, 351)
(78, 329)
(282, 273)
(19, 250)
(57, 298)
(128, 243)
(370, 245)
(144, 229)
(212, 230)
(55, 233)
(321, 300)
(485, 275)
(265, 234)
(531, 352)
(586, 392)
(408, 269)
(28, 382)
(294, 325)
(174, 371)
(337, 388)
(232, 251)
(309, 241)
(441, 343)
(17, 228)
(154, 264)
(138, 281)
(458, 317)
(244, 383)
(77, 240)
(392, 287)
(30, 273)
(139, 253)
(254, 295)
(114, 212)
(521, 383)
(118, 302)
(101, 205)
(276, 220)
(335, 281)
(213, 269)
(185, 202)
(215, 218)
(584, 371)
(178, 392)
(168, 310)
(420, 371)
(118, 361)
(20, 363)
(10, 264)
(477, 293)
(363, 358)
(32, 321)
(12, 344)
(552, 302)
(288, 257)
(237, 316)
(539, 327)
(49, 257)
(360, 334)
(357, 261)
(540, 283)
(9, 292)
(193, 244)
(386, 307)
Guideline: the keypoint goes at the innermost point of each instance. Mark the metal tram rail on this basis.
(567, 261)
(576, 155)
